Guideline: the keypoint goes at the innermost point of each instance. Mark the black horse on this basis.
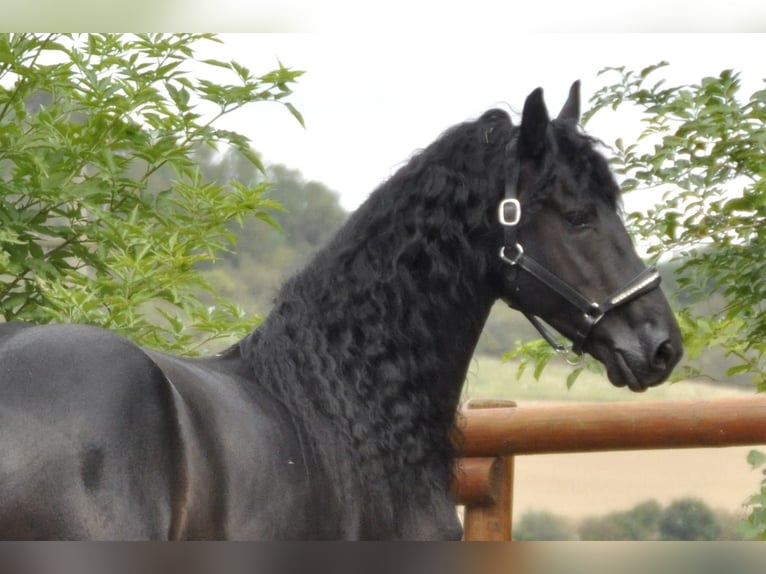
(334, 419)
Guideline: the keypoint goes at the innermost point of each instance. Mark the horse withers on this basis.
(335, 418)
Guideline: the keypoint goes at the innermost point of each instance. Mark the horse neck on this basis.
(394, 305)
(379, 329)
(386, 318)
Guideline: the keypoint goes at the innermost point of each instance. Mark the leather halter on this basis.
(512, 253)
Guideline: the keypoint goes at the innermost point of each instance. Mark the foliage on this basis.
(689, 519)
(538, 353)
(682, 519)
(105, 217)
(639, 523)
(755, 527)
(705, 147)
(542, 525)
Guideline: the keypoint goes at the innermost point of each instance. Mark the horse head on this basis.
(566, 256)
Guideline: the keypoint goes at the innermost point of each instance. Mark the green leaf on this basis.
(572, 377)
(296, 114)
(217, 63)
(650, 69)
(11, 302)
(738, 370)
(756, 459)
(243, 72)
(253, 158)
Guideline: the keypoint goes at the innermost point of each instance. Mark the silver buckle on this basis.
(502, 212)
(512, 260)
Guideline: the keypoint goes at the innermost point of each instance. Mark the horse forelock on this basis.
(579, 151)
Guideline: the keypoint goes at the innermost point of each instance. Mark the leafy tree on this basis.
(542, 525)
(689, 519)
(603, 528)
(104, 215)
(639, 523)
(682, 519)
(704, 145)
(645, 516)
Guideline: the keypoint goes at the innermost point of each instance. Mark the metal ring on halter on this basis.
(512, 260)
(572, 359)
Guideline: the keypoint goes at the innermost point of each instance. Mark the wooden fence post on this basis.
(488, 511)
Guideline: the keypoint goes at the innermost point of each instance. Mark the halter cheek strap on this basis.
(512, 253)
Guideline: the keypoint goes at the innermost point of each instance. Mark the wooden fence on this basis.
(494, 432)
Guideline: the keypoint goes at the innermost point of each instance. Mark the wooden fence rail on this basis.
(493, 432)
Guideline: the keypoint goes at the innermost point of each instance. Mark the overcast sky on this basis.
(371, 100)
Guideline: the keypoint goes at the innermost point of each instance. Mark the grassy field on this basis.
(489, 377)
(592, 484)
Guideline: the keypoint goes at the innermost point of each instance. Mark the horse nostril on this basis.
(664, 355)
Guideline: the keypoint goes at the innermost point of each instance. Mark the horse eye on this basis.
(579, 218)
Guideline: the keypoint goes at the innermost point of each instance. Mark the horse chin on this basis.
(620, 374)
(624, 369)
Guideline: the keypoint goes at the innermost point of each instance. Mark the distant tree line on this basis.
(309, 214)
(682, 519)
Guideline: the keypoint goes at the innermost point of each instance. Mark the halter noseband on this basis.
(509, 216)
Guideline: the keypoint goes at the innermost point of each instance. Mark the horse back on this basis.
(104, 440)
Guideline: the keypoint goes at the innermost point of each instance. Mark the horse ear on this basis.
(571, 110)
(534, 123)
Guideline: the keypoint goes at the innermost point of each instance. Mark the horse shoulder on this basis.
(245, 458)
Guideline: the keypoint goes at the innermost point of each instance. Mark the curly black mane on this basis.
(375, 334)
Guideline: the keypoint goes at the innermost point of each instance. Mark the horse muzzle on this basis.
(641, 359)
